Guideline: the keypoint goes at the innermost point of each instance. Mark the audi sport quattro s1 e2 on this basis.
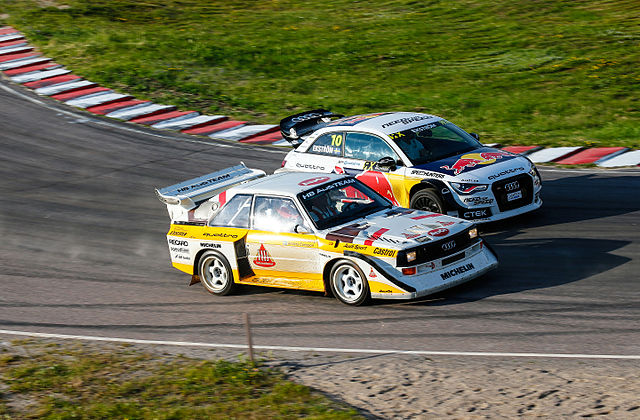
(415, 160)
(321, 232)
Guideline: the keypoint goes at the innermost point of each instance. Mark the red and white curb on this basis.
(21, 64)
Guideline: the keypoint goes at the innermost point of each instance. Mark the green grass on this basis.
(71, 381)
(544, 72)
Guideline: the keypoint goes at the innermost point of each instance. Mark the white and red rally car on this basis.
(322, 232)
(415, 160)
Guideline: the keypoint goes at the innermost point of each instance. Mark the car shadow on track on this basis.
(579, 198)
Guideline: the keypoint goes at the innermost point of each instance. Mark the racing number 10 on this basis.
(336, 140)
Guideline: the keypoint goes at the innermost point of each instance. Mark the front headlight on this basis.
(468, 188)
(411, 256)
(473, 233)
(535, 175)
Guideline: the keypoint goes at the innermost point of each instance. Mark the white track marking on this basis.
(131, 129)
(320, 349)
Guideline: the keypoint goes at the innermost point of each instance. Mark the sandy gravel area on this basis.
(451, 387)
(405, 387)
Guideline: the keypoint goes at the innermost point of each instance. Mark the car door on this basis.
(361, 153)
(278, 255)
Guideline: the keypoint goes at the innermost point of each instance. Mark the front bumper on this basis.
(435, 276)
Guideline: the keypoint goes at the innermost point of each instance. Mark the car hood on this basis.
(479, 165)
(397, 228)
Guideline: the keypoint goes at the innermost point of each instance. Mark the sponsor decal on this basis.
(338, 170)
(426, 174)
(204, 183)
(448, 246)
(326, 149)
(220, 235)
(356, 247)
(385, 291)
(438, 232)
(310, 166)
(470, 160)
(176, 233)
(314, 181)
(376, 235)
(336, 184)
(397, 135)
(263, 259)
(178, 242)
(506, 172)
(423, 239)
(478, 200)
(383, 252)
(299, 244)
(475, 213)
(179, 250)
(446, 223)
(379, 182)
(407, 120)
(372, 274)
(210, 245)
(424, 128)
(457, 271)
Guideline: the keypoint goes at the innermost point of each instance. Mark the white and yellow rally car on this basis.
(322, 232)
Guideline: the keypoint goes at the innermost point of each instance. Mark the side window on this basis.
(276, 214)
(367, 147)
(235, 213)
(328, 144)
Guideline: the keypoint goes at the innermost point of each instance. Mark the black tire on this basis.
(349, 284)
(427, 200)
(215, 273)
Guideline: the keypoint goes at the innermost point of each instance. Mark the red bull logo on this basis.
(379, 183)
(470, 160)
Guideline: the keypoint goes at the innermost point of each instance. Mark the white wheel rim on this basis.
(348, 283)
(215, 274)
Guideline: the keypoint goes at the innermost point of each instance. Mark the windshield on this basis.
(434, 141)
(341, 201)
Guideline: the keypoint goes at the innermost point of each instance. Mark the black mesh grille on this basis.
(437, 249)
(525, 184)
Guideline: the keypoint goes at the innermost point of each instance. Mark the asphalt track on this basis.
(83, 252)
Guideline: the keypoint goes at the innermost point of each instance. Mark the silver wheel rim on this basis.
(214, 274)
(348, 283)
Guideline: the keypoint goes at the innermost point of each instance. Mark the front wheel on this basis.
(427, 200)
(215, 273)
(349, 283)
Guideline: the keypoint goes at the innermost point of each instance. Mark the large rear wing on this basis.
(189, 193)
(294, 127)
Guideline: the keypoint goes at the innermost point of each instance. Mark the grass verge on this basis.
(549, 72)
(54, 381)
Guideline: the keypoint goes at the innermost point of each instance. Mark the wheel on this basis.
(215, 273)
(349, 284)
(427, 200)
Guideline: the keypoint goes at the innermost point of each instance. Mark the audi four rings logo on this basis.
(449, 245)
(512, 186)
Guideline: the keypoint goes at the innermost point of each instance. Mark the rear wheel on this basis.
(427, 200)
(349, 283)
(215, 273)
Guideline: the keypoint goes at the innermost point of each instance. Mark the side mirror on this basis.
(475, 136)
(301, 229)
(386, 164)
